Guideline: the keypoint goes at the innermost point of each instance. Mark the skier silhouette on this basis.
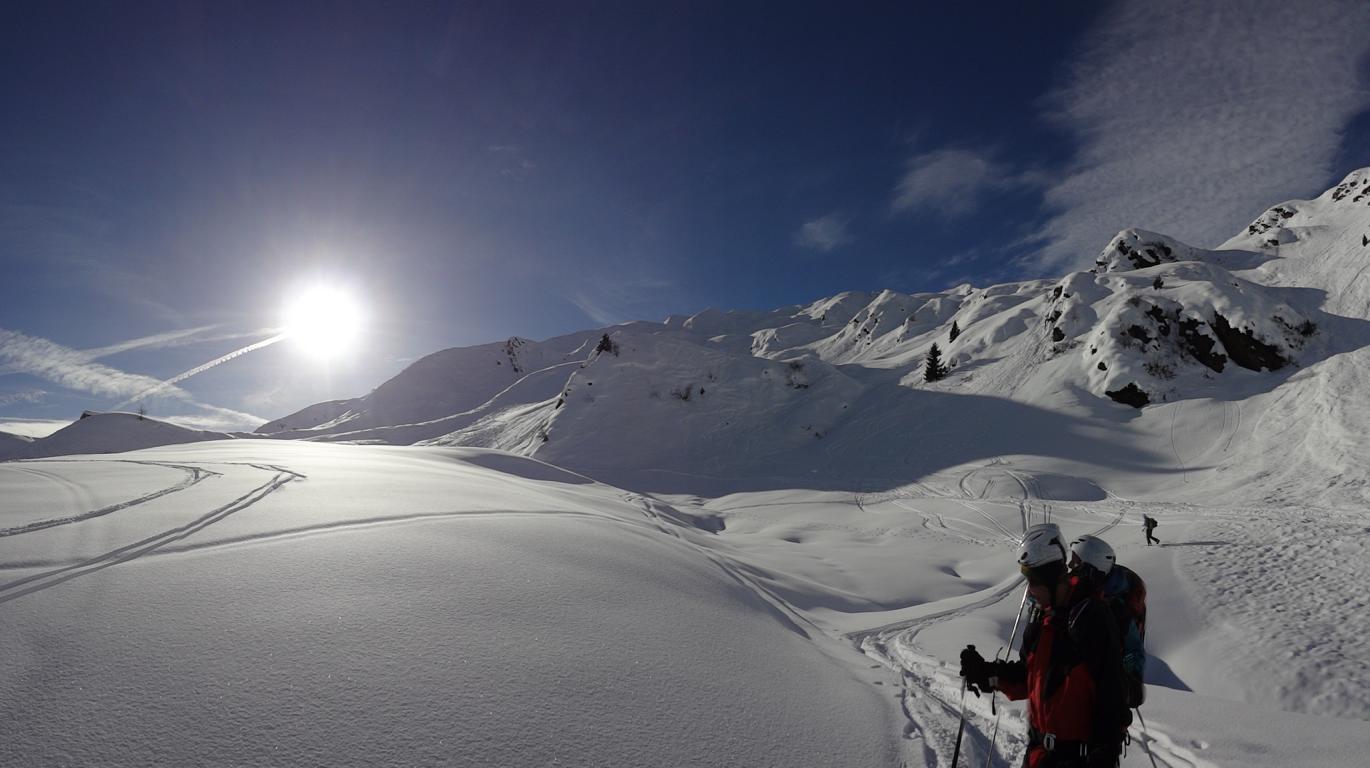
(1150, 523)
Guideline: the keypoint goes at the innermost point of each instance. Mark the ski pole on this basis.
(960, 729)
(989, 757)
(1145, 736)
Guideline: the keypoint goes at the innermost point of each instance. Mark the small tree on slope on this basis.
(933, 368)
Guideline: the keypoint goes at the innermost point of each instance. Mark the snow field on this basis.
(382, 606)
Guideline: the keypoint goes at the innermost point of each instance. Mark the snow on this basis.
(12, 443)
(396, 606)
(106, 433)
(749, 538)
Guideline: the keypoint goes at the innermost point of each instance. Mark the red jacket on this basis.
(1071, 673)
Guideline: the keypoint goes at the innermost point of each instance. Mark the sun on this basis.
(324, 321)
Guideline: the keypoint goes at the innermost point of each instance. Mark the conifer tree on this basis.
(933, 369)
(955, 331)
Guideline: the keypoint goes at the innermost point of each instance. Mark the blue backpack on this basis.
(1126, 595)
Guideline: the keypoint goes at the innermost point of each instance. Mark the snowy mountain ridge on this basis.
(801, 388)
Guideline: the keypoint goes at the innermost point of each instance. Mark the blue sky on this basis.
(171, 174)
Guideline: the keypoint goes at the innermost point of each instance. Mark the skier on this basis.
(1150, 523)
(1070, 665)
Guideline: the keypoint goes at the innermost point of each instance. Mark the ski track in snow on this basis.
(51, 578)
(193, 476)
(930, 694)
(786, 613)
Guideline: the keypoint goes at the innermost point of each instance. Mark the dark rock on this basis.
(1057, 334)
(1245, 349)
(1200, 346)
(1130, 395)
(1162, 324)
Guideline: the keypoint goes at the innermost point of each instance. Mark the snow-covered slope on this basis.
(107, 433)
(436, 386)
(258, 602)
(284, 602)
(11, 443)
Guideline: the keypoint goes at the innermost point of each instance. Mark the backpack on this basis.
(1125, 593)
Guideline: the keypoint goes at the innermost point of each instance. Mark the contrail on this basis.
(180, 377)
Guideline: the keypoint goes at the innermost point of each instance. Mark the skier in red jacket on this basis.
(1070, 667)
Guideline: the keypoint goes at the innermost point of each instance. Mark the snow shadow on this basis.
(895, 437)
(1159, 673)
(529, 469)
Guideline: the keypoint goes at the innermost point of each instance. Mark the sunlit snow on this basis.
(737, 538)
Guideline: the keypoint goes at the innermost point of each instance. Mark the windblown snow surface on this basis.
(788, 537)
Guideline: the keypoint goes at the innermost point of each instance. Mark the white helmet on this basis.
(1042, 544)
(1094, 552)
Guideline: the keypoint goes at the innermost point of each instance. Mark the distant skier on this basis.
(1070, 665)
(1150, 523)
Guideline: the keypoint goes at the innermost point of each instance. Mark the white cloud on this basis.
(1195, 117)
(219, 420)
(72, 369)
(25, 396)
(179, 338)
(515, 162)
(953, 181)
(32, 427)
(823, 233)
(611, 302)
(595, 309)
(68, 367)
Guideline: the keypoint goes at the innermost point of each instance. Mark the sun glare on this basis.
(324, 321)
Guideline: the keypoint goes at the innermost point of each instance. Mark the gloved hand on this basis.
(975, 670)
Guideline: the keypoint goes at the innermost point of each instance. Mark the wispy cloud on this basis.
(514, 161)
(159, 341)
(26, 396)
(1194, 117)
(69, 367)
(620, 301)
(72, 369)
(32, 427)
(823, 233)
(953, 182)
(218, 420)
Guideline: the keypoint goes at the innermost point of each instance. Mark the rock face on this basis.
(1130, 395)
(1134, 249)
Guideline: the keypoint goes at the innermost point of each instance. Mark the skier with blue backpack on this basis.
(1070, 665)
(1125, 593)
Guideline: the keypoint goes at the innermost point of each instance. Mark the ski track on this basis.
(51, 578)
(930, 693)
(309, 530)
(193, 476)
(930, 697)
(788, 615)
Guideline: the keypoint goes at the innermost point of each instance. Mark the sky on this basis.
(173, 176)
